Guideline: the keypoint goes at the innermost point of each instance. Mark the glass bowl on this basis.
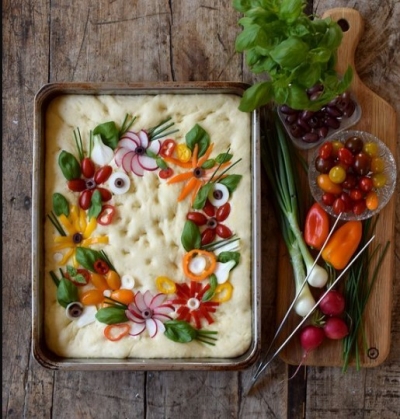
(300, 124)
(384, 190)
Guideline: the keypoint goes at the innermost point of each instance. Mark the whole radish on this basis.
(335, 328)
(333, 304)
(311, 337)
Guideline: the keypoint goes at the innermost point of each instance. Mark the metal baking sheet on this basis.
(41, 353)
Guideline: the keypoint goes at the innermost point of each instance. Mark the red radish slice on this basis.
(119, 155)
(136, 168)
(132, 136)
(137, 329)
(144, 139)
(155, 146)
(129, 144)
(157, 300)
(127, 161)
(148, 163)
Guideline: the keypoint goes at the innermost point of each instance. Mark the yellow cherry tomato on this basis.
(165, 285)
(337, 174)
(324, 182)
(371, 149)
(99, 281)
(377, 165)
(123, 296)
(113, 280)
(379, 180)
(92, 297)
(336, 146)
(183, 153)
(372, 200)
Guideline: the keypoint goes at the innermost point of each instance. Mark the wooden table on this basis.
(178, 40)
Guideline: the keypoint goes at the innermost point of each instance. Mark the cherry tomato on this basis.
(208, 236)
(328, 198)
(379, 180)
(113, 279)
(106, 215)
(165, 173)
(183, 153)
(354, 144)
(106, 195)
(345, 197)
(167, 148)
(87, 167)
(209, 208)
(102, 174)
(359, 207)
(124, 296)
(372, 200)
(365, 184)
(377, 165)
(325, 151)
(223, 211)
(336, 145)
(362, 164)
(339, 206)
(85, 199)
(324, 165)
(356, 194)
(337, 174)
(223, 231)
(101, 267)
(350, 182)
(99, 281)
(197, 217)
(345, 156)
(371, 149)
(76, 185)
(92, 297)
(327, 185)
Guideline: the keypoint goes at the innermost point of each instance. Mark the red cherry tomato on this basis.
(359, 207)
(345, 156)
(87, 167)
(165, 173)
(167, 148)
(356, 194)
(102, 174)
(345, 197)
(325, 151)
(208, 236)
(76, 185)
(197, 217)
(328, 198)
(105, 194)
(101, 266)
(106, 215)
(223, 231)
(85, 199)
(223, 211)
(209, 208)
(339, 206)
(365, 184)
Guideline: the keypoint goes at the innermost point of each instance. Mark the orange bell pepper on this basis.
(342, 244)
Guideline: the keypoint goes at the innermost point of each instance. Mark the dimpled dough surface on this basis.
(145, 236)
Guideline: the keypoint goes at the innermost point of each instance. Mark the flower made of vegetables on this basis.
(191, 307)
(137, 153)
(89, 182)
(211, 220)
(148, 312)
(78, 233)
(196, 176)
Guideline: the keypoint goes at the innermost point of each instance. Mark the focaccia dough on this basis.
(145, 236)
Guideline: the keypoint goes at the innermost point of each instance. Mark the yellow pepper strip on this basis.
(95, 240)
(64, 240)
(66, 257)
(67, 224)
(81, 221)
(223, 292)
(183, 153)
(165, 285)
(90, 228)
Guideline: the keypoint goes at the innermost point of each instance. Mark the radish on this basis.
(333, 304)
(311, 337)
(335, 328)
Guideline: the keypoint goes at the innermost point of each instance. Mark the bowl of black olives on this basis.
(352, 174)
(307, 129)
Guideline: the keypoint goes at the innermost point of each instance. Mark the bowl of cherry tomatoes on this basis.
(353, 174)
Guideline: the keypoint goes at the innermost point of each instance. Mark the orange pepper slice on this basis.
(116, 331)
(211, 262)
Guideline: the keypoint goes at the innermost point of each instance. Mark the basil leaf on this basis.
(201, 196)
(290, 10)
(231, 182)
(211, 291)
(95, 205)
(208, 164)
(179, 331)
(197, 135)
(111, 315)
(69, 165)
(67, 292)
(75, 276)
(60, 204)
(87, 257)
(224, 257)
(257, 95)
(223, 158)
(191, 237)
(109, 134)
(161, 163)
(290, 53)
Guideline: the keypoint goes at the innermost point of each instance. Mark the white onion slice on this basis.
(127, 282)
(88, 316)
(218, 195)
(222, 270)
(119, 183)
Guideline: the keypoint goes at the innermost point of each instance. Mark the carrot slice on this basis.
(194, 156)
(180, 177)
(206, 155)
(190, 185)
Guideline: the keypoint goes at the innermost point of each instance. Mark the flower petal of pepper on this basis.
(342, 244)
(210, 264)
(316, 227)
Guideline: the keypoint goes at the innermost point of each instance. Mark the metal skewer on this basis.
(265, 365)
(297, 295)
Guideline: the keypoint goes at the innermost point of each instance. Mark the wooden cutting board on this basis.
(378, 118)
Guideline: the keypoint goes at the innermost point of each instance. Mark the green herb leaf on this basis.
(67, 292)
(224, 257)
(161, 163)
(111, 315)
(197, 135)
(69, 165)
(223, 158)
(231, 182)
(179, 331)
(201, 196)
(95, 205)
(60, 204)
(257, 95)
(87, 257)
(75, 276)
(211, 291)
(290, 53)
(109, 134)
(191, 237)
(208, 164)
